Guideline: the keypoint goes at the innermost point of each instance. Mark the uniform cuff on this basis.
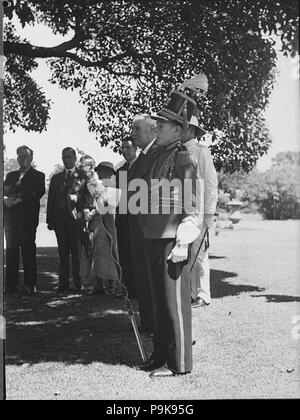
(187, 232)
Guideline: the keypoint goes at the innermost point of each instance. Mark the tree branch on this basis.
(24, 48)
(61, 51)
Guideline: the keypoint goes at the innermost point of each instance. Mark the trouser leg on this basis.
(12, 258)
(74, 240)
(172, 308)
(124, 249)
(200, 275)
(141, 276)
(204, 284)
(28, 249)
(64, 254)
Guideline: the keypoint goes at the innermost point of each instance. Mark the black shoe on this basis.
(62, 289)
(97, 291)
(149, 365)
(31, 291)
(164, 372)
(199, 302)
(147, 330)
(110, 291)
(78, 285)
(118, 295)
(11, 290)
(79, 289)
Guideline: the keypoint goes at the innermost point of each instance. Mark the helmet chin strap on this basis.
(185, 124)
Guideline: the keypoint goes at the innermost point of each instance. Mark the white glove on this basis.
(73, 198)
(208, 221)
(179, 253)
(187, 232)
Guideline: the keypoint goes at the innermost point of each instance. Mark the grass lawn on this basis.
(83, 347)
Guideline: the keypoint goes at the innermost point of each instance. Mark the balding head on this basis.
(143, 130)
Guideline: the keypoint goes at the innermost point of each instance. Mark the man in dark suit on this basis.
(122, 221)
(62, 217)
(144, 134)
(22, 192)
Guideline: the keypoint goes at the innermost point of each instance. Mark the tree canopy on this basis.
(125, 57)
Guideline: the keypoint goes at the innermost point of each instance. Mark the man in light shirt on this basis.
(200, 275)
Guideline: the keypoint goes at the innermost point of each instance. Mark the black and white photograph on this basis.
(150, 202)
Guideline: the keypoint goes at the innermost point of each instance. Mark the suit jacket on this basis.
(60, 207)
(143, 163)
(140, 169)
(30, 189)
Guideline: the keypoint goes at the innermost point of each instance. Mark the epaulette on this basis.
(175, 145)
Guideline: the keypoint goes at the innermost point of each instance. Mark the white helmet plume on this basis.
(198, 84)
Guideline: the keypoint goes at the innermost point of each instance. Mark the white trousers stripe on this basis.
(180, 318)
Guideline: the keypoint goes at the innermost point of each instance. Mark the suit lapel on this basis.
(27, 176)
(149, 159)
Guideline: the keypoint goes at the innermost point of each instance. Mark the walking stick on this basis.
(200, 246)
(137, 334)
(133, 321)
(128, 302)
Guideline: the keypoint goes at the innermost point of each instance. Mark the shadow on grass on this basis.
(219, 287)
(216, 257)
(279, 298)
(79, 328)
(70, 328)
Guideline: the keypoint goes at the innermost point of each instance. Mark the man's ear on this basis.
(153, 129)
(178, 131)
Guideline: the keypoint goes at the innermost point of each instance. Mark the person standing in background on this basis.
(64, 192)
(200, 274)
(122, 220)
(23, 190)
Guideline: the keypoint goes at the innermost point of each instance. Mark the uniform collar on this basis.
(173, 145)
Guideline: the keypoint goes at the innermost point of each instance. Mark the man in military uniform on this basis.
(200, 273)
(168, 230)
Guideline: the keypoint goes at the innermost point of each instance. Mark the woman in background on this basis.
(99, 256)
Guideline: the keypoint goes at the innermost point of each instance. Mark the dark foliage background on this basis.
(125, 57)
